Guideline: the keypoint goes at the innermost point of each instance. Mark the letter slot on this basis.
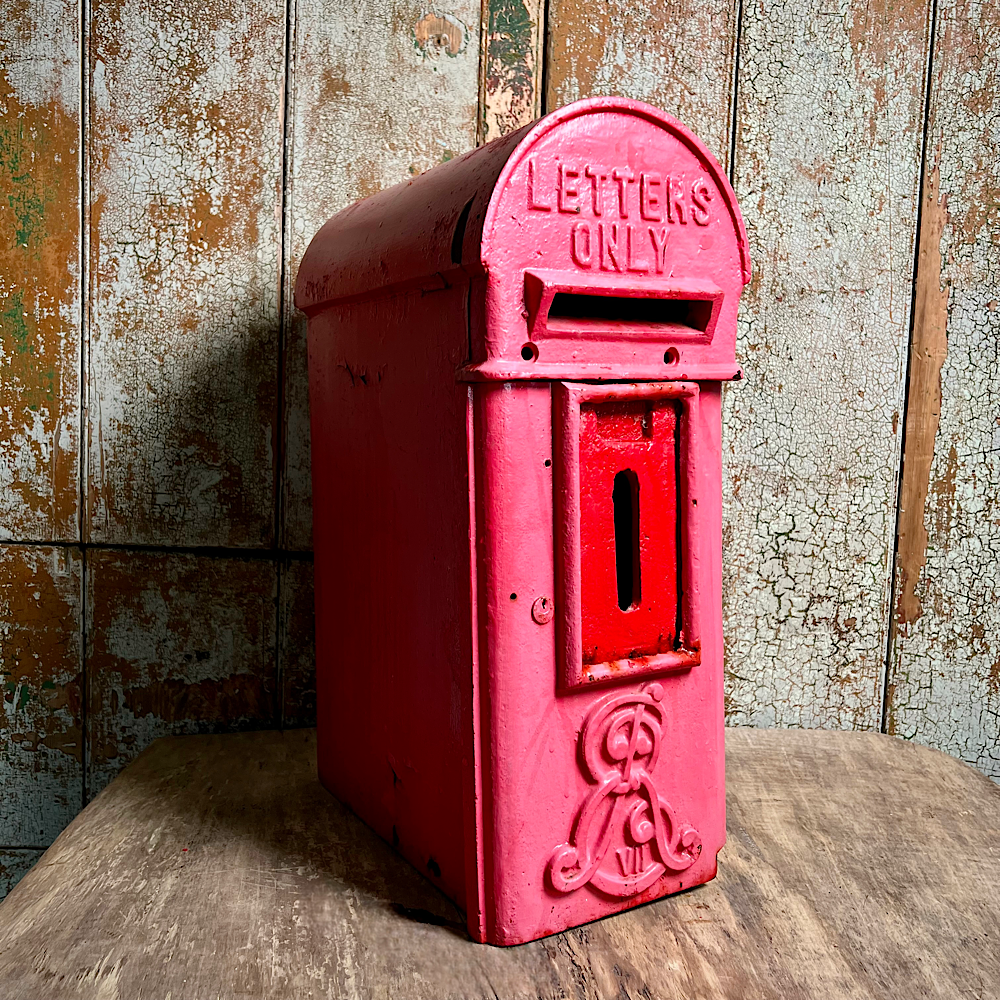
(577, 312)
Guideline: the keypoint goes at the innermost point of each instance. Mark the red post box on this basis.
(515, 368)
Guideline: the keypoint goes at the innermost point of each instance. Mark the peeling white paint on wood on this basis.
(297, 643)
(41, 692)
(185, 169)
(675, 54)
(827, 163)
(382, 90)
(14, 865)
(39, 271)
(176, 643)
(945, 683)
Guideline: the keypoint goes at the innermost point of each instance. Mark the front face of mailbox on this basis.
(614, 273)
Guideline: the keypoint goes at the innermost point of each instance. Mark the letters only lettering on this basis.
(577, 190)
(581, 244)
(620, 246)
(535, 200)
(569, 188)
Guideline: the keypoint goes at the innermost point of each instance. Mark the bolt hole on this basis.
(529, 352)
(671, 356)
(548, 463)
(513, 597)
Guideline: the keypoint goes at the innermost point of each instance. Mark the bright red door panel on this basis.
(629, 569)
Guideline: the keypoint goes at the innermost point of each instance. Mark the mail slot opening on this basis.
(569, 309)
(625, 499)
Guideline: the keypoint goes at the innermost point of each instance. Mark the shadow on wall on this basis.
(210, 630)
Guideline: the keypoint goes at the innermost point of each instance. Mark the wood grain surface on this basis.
(857, 866)
(945, 670)
(184, 145)
(40, 271)
(827, 161)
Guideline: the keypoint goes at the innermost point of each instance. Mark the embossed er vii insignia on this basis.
(620, 743)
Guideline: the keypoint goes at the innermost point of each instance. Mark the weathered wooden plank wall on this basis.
(829, 114)
(164, 169)
(41, 655)
(184, 167)
(944, 685)
(677, 54)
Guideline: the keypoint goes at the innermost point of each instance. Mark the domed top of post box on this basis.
(611, 239)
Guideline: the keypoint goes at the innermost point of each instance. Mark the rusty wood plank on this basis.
(40, 271)
(41, 675)
(176, 643)
(382, 90)
(944, 685)
(676, 54)
(827, 158)
(510, 71)
(14, 865)
(185, 144)
(297, 644)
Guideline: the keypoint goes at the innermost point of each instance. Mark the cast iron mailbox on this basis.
(515, 365)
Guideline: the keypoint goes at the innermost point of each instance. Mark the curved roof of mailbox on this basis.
(442, 222)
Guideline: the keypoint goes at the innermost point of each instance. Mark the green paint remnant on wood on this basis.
(511, 37)
(13, 328)
(23, 196)
(511, 65)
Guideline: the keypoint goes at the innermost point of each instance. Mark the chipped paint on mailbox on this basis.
(532, 440)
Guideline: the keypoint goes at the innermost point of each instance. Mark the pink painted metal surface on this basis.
(515, 371)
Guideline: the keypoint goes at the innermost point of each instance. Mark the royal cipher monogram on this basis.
(629, 215)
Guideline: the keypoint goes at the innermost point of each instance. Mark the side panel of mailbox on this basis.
(393, 633)
(534, 779)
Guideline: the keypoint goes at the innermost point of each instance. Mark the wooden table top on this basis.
(216, 867)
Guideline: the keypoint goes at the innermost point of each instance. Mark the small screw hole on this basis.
(513, 597)
(671, 356)
(548, 463)
(529, 352)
